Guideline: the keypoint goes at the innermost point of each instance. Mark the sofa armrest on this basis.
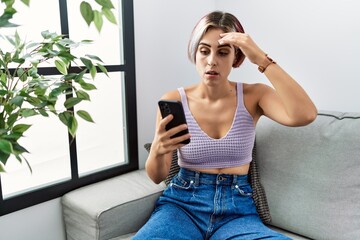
(110, 208)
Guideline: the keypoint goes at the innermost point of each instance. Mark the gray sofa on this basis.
(311, 176)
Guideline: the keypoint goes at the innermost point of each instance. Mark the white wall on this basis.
(315, 41)
(40, 222)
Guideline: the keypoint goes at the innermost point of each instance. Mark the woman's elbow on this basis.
(307, 117)
(311, 115)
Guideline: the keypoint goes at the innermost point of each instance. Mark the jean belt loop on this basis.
(235, 180)
(197, 178)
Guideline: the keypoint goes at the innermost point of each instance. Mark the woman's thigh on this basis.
(169, 222)
(249, 227)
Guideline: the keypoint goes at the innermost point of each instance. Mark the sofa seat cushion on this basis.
(110, 208)
(311, 175)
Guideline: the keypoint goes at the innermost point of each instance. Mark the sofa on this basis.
(310, 175)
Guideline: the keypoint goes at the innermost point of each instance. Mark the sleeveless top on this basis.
(232, 150)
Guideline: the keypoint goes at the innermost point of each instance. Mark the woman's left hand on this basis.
(246, 45)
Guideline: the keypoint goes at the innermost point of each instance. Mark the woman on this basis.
(210, 197)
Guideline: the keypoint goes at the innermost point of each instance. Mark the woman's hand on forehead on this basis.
(245, 43)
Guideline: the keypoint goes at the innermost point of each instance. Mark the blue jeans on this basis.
(206, 206)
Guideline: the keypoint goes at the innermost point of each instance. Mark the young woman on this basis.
(210, 197)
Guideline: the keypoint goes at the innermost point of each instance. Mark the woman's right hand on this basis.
(160, 156)
(163, 143)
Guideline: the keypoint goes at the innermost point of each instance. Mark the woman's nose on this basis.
(211, 60)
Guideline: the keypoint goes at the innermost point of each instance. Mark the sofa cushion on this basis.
(110, 208)
(259, 195)
(311, 175)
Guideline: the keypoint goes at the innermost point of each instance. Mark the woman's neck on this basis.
(218, 92)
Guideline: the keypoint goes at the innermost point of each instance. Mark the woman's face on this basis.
(214, 61)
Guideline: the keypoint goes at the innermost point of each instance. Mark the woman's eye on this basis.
(223, 53)
(204, 51)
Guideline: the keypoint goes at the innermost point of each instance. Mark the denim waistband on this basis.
(209, 178)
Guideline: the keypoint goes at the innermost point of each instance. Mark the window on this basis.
(100, 150)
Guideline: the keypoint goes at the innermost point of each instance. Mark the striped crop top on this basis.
(232, 150)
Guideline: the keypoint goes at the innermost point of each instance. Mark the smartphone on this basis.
(176, 109)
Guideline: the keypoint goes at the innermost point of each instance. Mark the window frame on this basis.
(47, 193)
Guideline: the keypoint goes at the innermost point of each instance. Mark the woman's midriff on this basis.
(240, 170)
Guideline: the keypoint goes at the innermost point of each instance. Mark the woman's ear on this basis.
(236, 53)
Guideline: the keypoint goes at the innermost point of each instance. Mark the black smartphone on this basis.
(176, 109)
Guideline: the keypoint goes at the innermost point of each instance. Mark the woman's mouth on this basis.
(212, 73)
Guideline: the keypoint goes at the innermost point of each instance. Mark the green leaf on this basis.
(86, 12)
(64, 117)
(86, 62)
(103, 69)
(3, 92)
(73, 126)
(83, 95)
(98, 20)
(21, 74)
(36, 102)
(70, 102)
(2, 64)
(2, 167)
(87, 41)
(40, 91)
(6, 23)
(66, 55)
(33, 72)
(18, 101)
(70, 121)
(18, 149)
(87, 86)
(61, 67)
(17, 39)
(46, 34)
(9, 108)
(27, 112)
(93, 72)
(109, 15)
(70, 76)
(85, 115)
(3, 80)
(43, 112)
(4, 156)
(6, 146)
(26, 2)
(94, 57)
(80, 76)
(21, 128)
(12, 119)
(13, 137)
(7, 57)
(19, 60)
(105, 3)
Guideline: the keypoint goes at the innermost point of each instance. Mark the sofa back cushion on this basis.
(311, 175)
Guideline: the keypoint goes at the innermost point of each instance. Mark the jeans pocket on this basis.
(180, 183)
(245, 190)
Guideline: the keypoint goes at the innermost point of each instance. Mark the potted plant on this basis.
(24, 92)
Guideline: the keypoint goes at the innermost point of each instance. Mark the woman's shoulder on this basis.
(172, 95)
(175, 94)
(255, 88)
